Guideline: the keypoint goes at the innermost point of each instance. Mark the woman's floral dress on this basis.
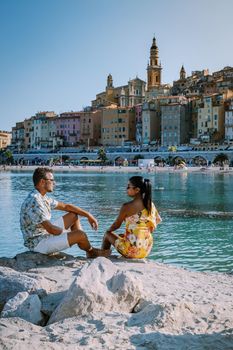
(137, 241)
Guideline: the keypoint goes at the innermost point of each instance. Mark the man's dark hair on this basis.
(40, 173)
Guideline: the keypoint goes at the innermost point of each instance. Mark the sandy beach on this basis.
(122, 169)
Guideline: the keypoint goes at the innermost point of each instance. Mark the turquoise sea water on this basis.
(189, 236)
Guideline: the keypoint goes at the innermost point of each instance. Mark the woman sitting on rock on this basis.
(141, 218)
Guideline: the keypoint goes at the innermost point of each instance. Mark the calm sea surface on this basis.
(184, 238)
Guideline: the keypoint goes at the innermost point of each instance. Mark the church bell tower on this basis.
(182, 73)
(154, 68)
(109, 82)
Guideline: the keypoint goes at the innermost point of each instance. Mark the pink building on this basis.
(68, 127)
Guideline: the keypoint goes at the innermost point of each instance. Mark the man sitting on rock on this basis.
(40, 234)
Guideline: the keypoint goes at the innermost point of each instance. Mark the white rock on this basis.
(13, 282)
(24, 306)
(100, 286)
(179, 309)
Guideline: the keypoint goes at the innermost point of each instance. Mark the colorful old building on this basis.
(118, 126)
(5, 139)
(43, 130)
(90, 127)
(151, 122)
(211, 118)
(138, 122)
(175, 121)
(67, 128)
(18, 136)
(122, 96)
(229, 121)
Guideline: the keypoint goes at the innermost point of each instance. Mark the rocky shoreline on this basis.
(62, 302)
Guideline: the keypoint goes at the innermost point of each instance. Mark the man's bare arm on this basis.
(50, 228)
(70, 208)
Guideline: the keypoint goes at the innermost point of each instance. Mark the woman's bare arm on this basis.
(121, 217)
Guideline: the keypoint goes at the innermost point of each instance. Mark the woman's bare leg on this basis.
(109, 239)
(79, 237)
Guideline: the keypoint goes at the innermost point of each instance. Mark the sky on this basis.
(56, 54)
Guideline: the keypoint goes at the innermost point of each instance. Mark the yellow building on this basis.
(28, 130)
(118, 126)
(5, 139)
(211, 115)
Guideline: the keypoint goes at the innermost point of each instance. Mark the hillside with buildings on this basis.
(194, 109)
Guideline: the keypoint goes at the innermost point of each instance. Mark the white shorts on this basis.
(54, 243)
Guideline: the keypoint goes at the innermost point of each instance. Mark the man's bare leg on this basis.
(72, 221)
(79, 237)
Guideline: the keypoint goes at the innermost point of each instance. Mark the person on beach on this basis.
(44, 236)
(141, 218)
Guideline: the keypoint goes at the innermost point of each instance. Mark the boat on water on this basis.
(159, 188)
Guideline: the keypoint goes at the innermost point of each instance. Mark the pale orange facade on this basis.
(118, 126)
(90, 127)
(5, 139)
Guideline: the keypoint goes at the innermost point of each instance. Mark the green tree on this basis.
(138, 156)
(102, 155)
(221, 159)
(8, 156)
(65, 158)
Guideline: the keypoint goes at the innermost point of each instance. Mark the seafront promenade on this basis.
(190, 157)
(85, 167)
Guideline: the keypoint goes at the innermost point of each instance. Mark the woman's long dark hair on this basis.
(145, 188)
